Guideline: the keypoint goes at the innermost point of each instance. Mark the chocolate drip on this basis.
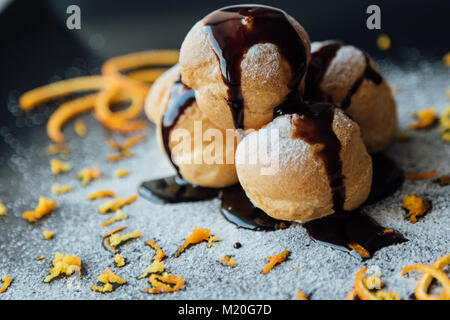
(234, 30)
(320, 61)
(369, 73)
(181, 98)
(315, 126)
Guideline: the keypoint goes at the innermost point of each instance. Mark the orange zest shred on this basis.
(416, 207)
(164, 283)
(101, 194)
(157, 265)
(40, 258)
(420, 176)
(118, 217)
(57, 148)
(359, 249)
(159, 255)
(121, 173)
(425, 119)
(364, 293)
(45, 206)
(119, 260)
(228, 261)
(424, 282)
(434, 272)
(445, 123)
(444, 180)
(59, 166)
(47, 234)
(88, 174)
(61, 189)
(124, 149)
(116, 230)
(132, 141)
(197, 236)
(6, 283)
(33, 98)
(301, 295)
(274, 260)
(2, 209)
(116, 240)
(80, 128)
(116, 204)
(63, 265)
(108, 278)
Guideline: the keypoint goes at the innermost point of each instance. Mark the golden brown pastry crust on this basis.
(300, 190)
(202, 174)
(265, 78)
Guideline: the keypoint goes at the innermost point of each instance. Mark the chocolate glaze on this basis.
(315, 126)
(320, 61)
(181, 98)
(234, 30)
(237, 209)
(369, 73)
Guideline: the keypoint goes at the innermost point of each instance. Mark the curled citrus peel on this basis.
(33, 98)
(365, 294)
(430, 272)
(112, 87)
(425, 119)
(112, 68)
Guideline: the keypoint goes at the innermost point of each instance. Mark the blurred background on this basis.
(35, 41)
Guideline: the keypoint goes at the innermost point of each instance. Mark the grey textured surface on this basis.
(323, 273)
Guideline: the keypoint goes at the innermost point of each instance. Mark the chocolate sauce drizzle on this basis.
(174, 189)
(181, 97)
(315, 126)
(234, 30)
(320, 61)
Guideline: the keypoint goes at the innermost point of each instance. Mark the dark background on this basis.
(35, 41)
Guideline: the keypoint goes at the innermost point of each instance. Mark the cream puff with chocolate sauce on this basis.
(348, 78)
(207, 162)
(324, 167)
(243, 62)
